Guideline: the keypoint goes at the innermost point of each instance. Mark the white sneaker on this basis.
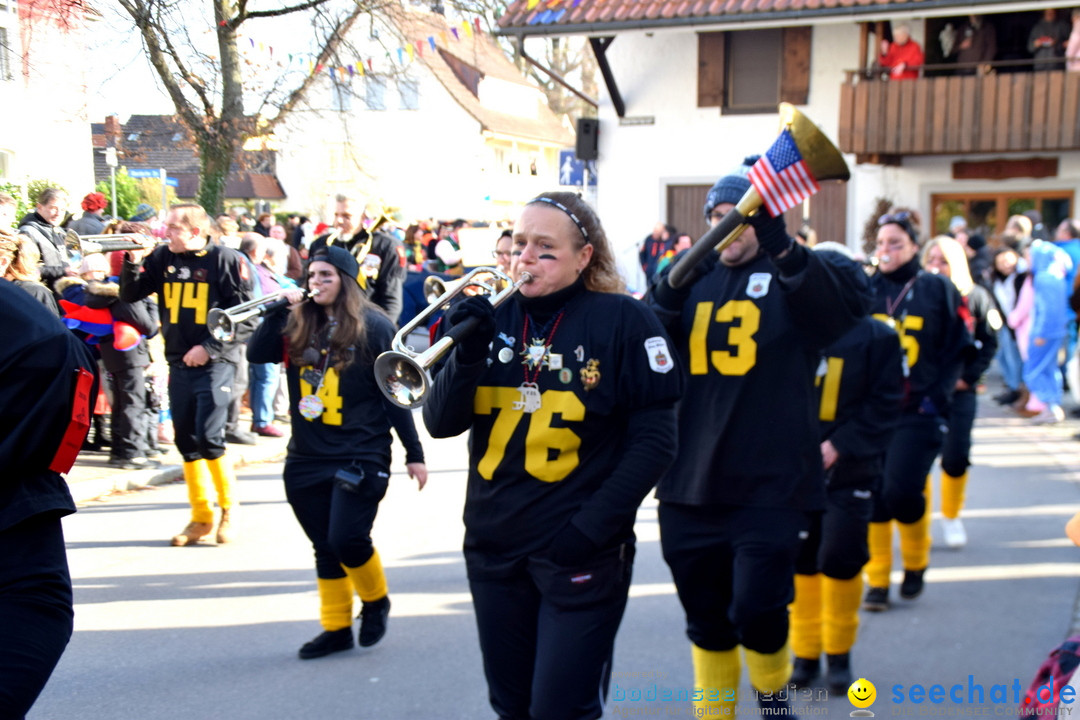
(1049, 415)
(955, 535)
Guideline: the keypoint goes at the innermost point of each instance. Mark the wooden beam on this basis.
(1005, 169)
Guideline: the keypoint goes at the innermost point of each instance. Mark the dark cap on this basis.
(730, 188)
(340, 258)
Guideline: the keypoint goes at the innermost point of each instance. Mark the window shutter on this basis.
(710, 69)
(795, 75)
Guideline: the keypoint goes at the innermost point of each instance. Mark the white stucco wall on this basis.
(657, 76)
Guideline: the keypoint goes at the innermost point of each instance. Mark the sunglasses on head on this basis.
(900, 218)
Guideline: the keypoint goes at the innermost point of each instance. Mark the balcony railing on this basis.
(986, 113)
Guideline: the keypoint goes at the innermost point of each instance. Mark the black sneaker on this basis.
(373, 616)
(331, 641)
(805, 671)
(1007, 398)
(838, 678)
(239, 437)
(912, 586)
(876, 600)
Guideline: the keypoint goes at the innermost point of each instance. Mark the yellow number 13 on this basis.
(740, 336)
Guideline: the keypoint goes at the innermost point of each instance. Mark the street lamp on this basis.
(110, 160)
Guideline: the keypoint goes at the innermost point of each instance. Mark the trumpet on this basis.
(821, 157)
(90, 244)
(435, 286)
(402, 374)
(222, 323)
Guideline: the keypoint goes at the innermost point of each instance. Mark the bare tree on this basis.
(209, 81)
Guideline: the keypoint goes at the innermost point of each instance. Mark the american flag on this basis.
(781, 176)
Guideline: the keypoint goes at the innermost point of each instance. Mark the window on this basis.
(132, 137)
(341, 98)
(177, 137)
(409, 90)
(986, 213)
(5, 56)
(750, 71)
(374, 93)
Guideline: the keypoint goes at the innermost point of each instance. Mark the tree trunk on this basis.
(215, 160)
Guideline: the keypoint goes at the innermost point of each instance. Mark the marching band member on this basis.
(191, 275)
(860, 385)
(338, 466)
(945, 256)
(749, 465)
(568, 392)
(929, 315)
(383, 264)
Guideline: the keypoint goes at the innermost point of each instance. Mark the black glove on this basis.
(473, 347)
(771, 232)
(571, 547)
(673, 299)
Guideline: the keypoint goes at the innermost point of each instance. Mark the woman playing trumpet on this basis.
(338, 463)
(569, 394)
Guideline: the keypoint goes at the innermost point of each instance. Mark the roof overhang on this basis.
(845, 13)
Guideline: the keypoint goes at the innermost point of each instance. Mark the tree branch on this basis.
(242, 15)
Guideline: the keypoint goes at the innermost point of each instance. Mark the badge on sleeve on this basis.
(758, 286)
(659, 355)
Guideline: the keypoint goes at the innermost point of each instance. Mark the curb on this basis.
(92, 489)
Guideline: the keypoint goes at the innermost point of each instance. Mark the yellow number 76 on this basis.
(541, 440)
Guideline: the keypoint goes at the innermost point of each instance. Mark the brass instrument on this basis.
(821, 157)
(222, 323)
(402, 374)
(90, 244)
(435, 286)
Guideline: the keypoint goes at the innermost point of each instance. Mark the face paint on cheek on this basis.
(547, 257)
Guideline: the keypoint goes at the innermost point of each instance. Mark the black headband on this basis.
(569, 213)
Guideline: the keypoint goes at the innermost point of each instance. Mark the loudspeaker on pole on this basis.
(588, 132)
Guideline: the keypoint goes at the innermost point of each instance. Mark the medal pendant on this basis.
(530, 398)
(891, 322)
(311, 406)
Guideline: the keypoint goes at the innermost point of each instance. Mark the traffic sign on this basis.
(572, 170)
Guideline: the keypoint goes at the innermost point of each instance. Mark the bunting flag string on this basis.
(405, 54)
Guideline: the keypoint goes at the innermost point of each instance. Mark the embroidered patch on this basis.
(659, 355)
(758, 285)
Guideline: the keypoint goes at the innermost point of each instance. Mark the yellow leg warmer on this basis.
(221, 469)
(806, 617)
(952, 494)
(879, 538)
(915, 538)
(369, 579)
(840, 601)
(197, 479)
(716, 676)
(769, 673)
(335, 603)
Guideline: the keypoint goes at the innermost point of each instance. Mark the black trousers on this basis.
(956, 448)
(35, 609)
(547, 634)
(908, 460)
(199, 400)
(734, 571)
(836, 545)
(128, 413)
(337, 521)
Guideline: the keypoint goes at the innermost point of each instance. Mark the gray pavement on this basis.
(212, 632)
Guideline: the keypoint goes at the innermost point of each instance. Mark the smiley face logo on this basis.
(862, 693)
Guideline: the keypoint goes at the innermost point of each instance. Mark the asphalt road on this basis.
(212, 632)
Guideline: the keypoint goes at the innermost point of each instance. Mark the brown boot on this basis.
(192, 533)
(224, 531)
(1021, 402)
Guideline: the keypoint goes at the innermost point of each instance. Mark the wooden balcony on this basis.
(883, 120)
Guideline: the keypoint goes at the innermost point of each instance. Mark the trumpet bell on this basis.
(401, 379)
(818, 152)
